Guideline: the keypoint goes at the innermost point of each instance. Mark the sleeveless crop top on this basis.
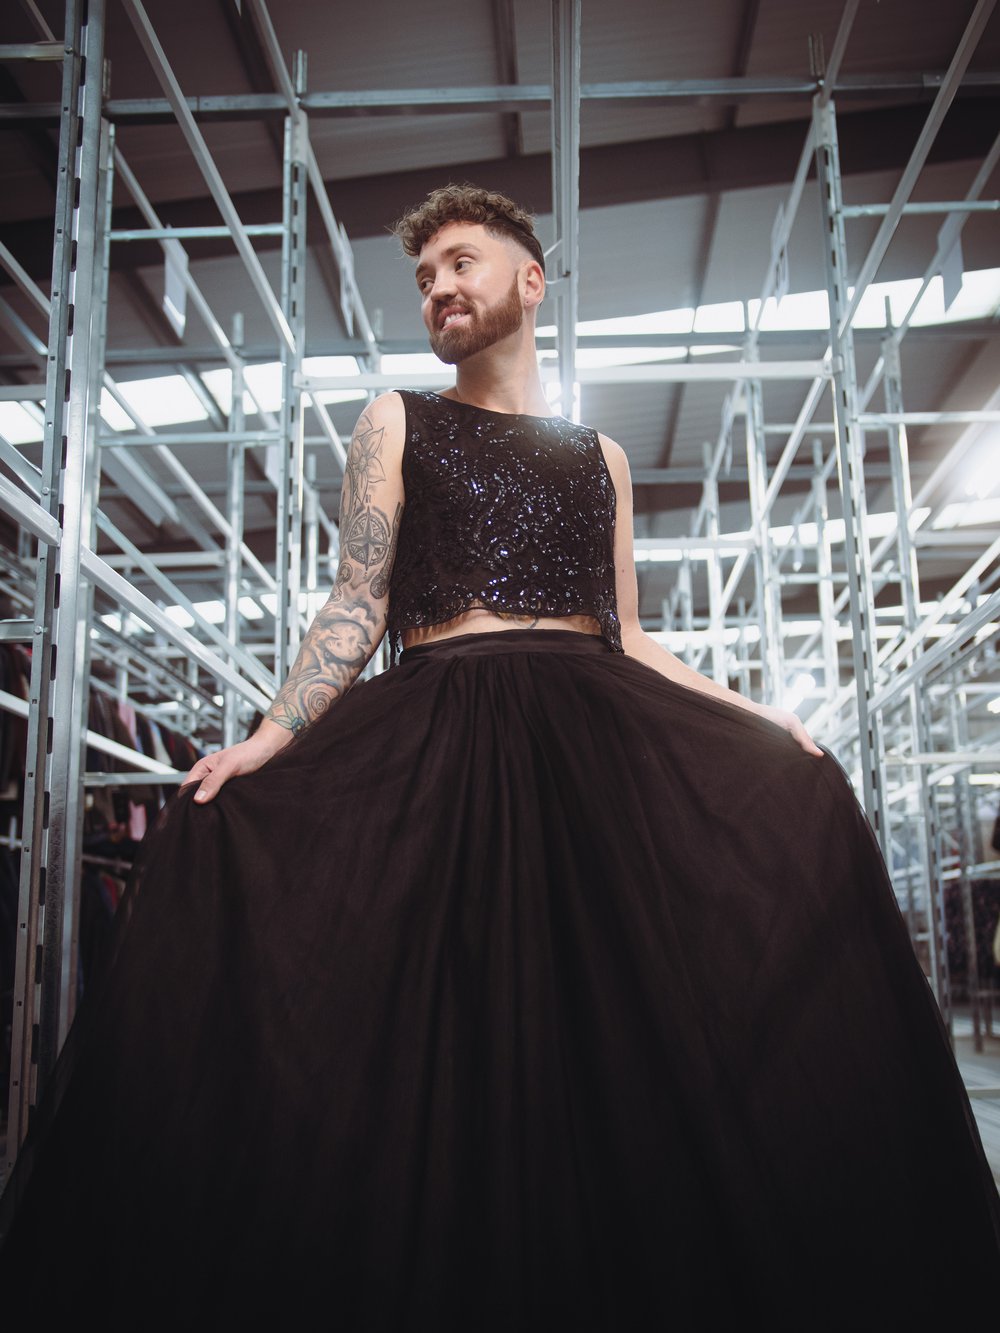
(511, 512)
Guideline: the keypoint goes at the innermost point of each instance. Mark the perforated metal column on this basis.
(850, 462)
(288, 570)
(42, 995)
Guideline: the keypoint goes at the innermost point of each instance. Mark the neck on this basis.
(503, 378)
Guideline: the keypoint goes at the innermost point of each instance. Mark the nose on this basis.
(442, 287)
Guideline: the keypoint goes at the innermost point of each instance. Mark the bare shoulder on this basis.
(616, 459)
(386, 414)
(377, 442)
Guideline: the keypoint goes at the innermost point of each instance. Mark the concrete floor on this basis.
(981, 1069)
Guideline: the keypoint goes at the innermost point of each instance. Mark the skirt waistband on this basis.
(508, 641)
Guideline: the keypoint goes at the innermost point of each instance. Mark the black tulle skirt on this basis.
(527, 990)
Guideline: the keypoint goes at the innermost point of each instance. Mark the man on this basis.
(481, 278)
(540, 986)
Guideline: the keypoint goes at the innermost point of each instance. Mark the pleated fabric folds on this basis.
(527, 990)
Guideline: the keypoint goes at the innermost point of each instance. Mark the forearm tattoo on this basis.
(347, 628)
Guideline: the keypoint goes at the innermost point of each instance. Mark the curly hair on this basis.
(468, 203)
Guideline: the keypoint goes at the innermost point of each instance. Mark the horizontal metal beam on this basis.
(800, 472)
(962, 206)
(502, 98)
(874, 420)
(699, 547)
(965, 758)
(125, 440)
(32, 51)
(132, 779)
(171, 559)
(16, 631)
(194, 233)
(29, 513)
(10, 703)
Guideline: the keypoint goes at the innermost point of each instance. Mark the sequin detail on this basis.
(515, 513)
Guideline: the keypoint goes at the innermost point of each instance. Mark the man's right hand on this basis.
(215, 770)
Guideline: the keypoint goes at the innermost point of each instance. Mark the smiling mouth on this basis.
(450, 319)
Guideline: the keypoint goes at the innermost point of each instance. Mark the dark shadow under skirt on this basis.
(527, 990)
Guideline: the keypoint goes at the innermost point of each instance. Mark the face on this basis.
(470, 290)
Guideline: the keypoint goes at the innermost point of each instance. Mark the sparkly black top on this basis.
(511, 512)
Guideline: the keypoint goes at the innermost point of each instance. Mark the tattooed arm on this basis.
(350, 626)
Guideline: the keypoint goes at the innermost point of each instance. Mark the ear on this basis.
(532, 284)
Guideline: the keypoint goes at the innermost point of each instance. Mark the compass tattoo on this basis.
(341, 639)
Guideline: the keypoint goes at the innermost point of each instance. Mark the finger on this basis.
(212, 782)
(807, 743)
(210, 787)
(201, 768)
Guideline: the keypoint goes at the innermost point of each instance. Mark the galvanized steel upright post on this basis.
(566, 186)
(768, 587)
(235, 491)
(824, 575)
(92, 365)
(967, 838)
(850, 460)
(918, 700)
(288, 566)
(48, 865)
(716, 618)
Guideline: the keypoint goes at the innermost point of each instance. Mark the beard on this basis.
(481, 331)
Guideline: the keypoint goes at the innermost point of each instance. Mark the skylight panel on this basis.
(680, 320)
(978, 298)
(212, 611)
(335, 365)
(600, 358)
(871, 309)
(713, 349)
(982, 473)
(114, 414)
(167, 400)
(412, 363)
(219, 384)
(330, 365)
(722, 317)
(18, 426)
(796, 310)
(265, 381)
(969, 513)
(179, 616)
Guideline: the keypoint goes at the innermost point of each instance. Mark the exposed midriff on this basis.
(481, 620)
